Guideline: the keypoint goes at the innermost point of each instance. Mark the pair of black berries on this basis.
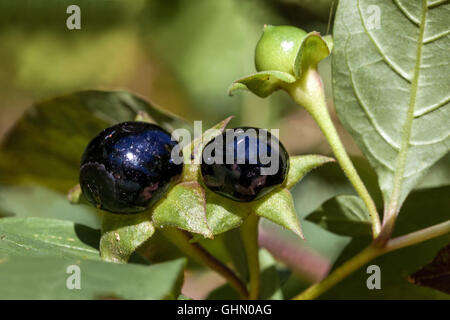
(129, 166)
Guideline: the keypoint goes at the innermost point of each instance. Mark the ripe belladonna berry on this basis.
(128, 167)
(244, 164)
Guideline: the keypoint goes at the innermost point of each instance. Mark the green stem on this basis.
(418, 236)
(182, 240)
(308, 92)
(249, 235)
(371, 253)
(339, 274)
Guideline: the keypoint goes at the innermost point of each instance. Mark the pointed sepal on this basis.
(207, 136)
(262, 83)
(314, 48)
(299, 166)
(278, 207)
(184, 207)
(123, 234)
(192, 152)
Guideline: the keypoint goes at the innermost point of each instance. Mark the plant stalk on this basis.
(182, 240)
(308, 92)
(418, 236)
(249, 235)
(369, 254)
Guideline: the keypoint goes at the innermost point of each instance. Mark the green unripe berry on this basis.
(277, 48)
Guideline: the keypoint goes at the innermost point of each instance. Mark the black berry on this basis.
(128, 167)
(244, 164)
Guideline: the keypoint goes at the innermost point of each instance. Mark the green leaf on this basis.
(278, 207)
(24, 277)
(53, 134)
(35, 254)
(183, 207)
(270, 279)
(396, 266)
(391, 87)
(37, 201)
(299, 166)
(438, 175)
(236, 250)
(344, 215)
(122, 235)
(330, 42)
(436, 273)
(36, 237)
(313, 49)
(262, 83)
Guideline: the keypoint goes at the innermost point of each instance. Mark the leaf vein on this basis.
(407, 126)
(406, 13)
(436, 3)
(431, 108)
(366, 110)
(436, 37)
(388, 61)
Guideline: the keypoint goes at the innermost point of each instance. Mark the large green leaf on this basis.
(438, 175)
(42, 237)
(46, 145)
(422, 209)
(345, 215)
(23, 277)
(270, 278)
(35, 254)
(37, 201)
(391, 86)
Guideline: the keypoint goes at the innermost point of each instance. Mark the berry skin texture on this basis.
(240, 177)
(128, 167)
(277, 48)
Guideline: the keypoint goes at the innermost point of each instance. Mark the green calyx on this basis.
(284, 56)
(278, 47)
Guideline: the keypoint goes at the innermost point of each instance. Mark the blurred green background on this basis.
(181, 55)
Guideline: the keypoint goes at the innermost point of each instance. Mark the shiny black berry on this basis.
(128, 167)
(244, 163)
